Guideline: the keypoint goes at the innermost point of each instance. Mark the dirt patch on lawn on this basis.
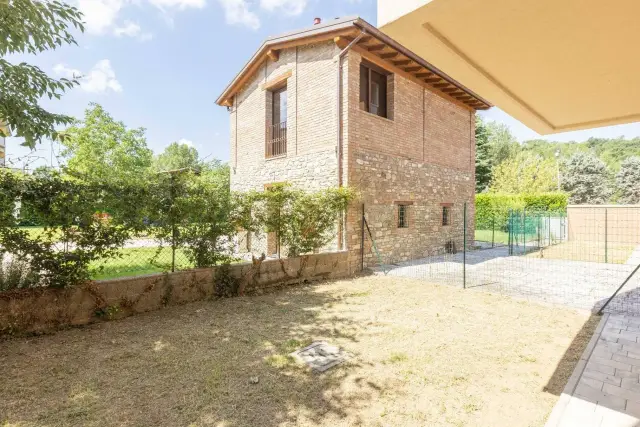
(423, 355)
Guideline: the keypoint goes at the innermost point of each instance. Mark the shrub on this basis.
(15, 274)
(73, 235)
(493, 208)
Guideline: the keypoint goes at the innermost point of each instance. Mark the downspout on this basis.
(342, 225)
(339, 101)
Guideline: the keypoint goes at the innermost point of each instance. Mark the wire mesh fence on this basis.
(577, 257)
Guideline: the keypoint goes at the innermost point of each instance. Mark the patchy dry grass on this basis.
(615, 253)
(423, 355)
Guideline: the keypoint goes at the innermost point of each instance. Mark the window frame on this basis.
(367, 72)
(446, 215)
(403, 215)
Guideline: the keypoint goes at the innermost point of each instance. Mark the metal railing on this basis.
(276, 144)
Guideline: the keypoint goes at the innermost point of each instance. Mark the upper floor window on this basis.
(276, 144)
(373, 89)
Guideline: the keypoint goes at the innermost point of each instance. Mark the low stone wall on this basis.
(44, 310)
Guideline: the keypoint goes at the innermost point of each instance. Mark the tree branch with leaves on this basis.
(32, 27)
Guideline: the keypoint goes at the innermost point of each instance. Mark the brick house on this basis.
(340, 103)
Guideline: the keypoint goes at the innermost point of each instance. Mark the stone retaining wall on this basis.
(45, 310)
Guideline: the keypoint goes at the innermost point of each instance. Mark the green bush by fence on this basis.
(101, 230)
(492, 209)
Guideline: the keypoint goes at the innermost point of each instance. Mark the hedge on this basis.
(492, 209)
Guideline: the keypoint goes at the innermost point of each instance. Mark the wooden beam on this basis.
(376, 47)
(273, 55)
(450, 90)
(441, 85)
(432, 80)
(389, 55)
(276, 81)
(401, 63)
(258, 58)
(341, 41)
(463, 97)
(364, 40)
(413, 69)
(423, 75)
(387, 65)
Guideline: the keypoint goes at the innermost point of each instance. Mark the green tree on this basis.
(100, 149)
(176, 156)
(32, 27)
(628, 180)
(524, 173)
(586, 179)
(502, 144)
(484, 164)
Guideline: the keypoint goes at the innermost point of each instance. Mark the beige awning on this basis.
(554, 65)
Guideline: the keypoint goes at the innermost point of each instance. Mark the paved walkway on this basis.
(604, 390)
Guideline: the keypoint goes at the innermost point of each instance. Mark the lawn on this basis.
(137, 261)
(422, 355)
(615, 253)
(499, 237)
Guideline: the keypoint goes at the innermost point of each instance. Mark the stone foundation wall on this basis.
(45, 310)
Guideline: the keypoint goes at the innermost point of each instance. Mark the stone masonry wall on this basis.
(423, 154)
(424, 157)
(27, 311)
(310, 161)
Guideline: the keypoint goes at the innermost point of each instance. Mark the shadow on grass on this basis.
(208, 363)
(571, 356)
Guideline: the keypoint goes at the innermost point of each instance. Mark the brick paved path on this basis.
(604, 390)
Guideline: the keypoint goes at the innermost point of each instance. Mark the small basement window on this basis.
(373, 89)
(403, 216)
(446, 215)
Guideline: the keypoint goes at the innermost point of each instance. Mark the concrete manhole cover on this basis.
(320, 356)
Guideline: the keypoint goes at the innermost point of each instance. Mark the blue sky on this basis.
(160, 64)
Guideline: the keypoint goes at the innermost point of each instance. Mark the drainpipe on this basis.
(339, 101)
(342, 226)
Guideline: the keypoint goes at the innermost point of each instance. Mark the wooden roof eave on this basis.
(271, 48)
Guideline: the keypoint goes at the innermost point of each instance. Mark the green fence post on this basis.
(606, 236)
(524, 231)
(493, 230)
(464, 248)
(509, 231)
(174, 231)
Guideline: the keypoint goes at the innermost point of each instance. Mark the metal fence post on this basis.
(524, 231)
(509, 229)
(362, 240)
(493, 230)
(174, 230)
(606, 236)
(464, 248)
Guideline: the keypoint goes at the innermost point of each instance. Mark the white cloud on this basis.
(99, 79)
(129, 29)
(186, 142)
(99, 15)
(289, 7)
(178, 4)
(132, 29)
(237, 12)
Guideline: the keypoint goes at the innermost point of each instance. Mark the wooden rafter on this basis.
(413, 69)
(441, 85)
(389, 55)
(273, 55)
(423, 75)
(401, 63)
(432, 80)
(376, 47)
